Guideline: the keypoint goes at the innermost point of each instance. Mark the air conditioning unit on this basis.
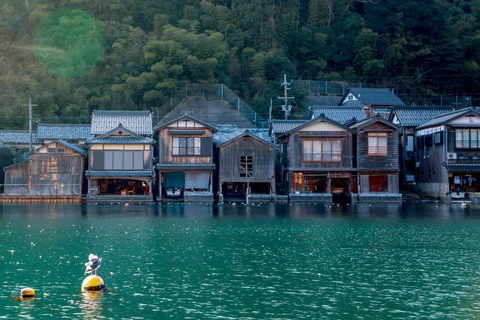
(451, 156)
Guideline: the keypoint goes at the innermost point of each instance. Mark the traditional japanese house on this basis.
(185, 159)
(75, 134)
(318, 161)
(372, 100)
(376, 148)
(246, 164)
(448, 155)
(121, 156)
(52, 171)
(408, 118)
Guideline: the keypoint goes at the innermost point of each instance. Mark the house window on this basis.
(186, 147)
(409, 143)
(467, 138)
(377, 144)
(56, 150)
(438, 138)
(246, 166)
(322, 151)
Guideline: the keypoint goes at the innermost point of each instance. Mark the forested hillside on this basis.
(132, 54)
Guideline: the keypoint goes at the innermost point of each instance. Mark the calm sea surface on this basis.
(410, 261)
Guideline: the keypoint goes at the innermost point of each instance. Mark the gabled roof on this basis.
(139, 122)
(375, 96)
(65, 144)
(442, 119)
(165, 124)
(226, 135)
(340, 114)
(18, 137)
(414, 116)
(63, 131)
(321, 118)
(376, 118)
(282, 126)
(127, 137)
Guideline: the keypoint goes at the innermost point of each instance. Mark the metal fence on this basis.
(214, 91)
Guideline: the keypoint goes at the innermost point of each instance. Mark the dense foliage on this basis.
(153, 47)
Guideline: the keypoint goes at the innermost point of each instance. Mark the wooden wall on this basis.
(364, 161)
(165, 144)
(295, 149)
(263, 160)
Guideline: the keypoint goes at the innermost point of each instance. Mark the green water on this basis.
(417, 261)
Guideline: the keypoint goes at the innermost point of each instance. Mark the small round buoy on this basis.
(464, 204)
(93, 283)
(126, 204)
(234, 204)
(27, 293)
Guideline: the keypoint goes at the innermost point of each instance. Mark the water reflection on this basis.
(91, 304)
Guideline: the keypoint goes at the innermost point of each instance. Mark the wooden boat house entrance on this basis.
(339, 185)
(128, 186)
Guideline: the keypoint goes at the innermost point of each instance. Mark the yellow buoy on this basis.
(27, 293)
(93, 283)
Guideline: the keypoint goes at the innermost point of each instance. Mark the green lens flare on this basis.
(69, 43)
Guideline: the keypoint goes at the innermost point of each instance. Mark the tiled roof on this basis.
(474, 167)
(63, 131)
(226, 134)
(376, 96)
(73, 147)
(182, 166)
(282, 126)
(441, 119)
(120, 140)
(373, 119)
(340, 114)
(414, 116)
(18, 137)
(113, 173)
(137, 121)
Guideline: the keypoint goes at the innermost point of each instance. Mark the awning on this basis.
(197, 180)
(461, 167)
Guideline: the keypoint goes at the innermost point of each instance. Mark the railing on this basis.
(42, 189)
(213, 91)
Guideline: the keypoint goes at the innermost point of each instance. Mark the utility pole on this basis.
(30, 105)
(286, 107)
(270, 112)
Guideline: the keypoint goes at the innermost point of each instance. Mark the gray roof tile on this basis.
(63, 131)
(182, 166)
(376, 96)
(133, 173)
(340, 114)
(414, 116)
(18, 137)
(282, 126)
(139, 122)
(442, 119)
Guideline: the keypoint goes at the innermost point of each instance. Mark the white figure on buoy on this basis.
(93, 282)
(93, 263)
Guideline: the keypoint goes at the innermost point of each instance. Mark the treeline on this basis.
(151, 48)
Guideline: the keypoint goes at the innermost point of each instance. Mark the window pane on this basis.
(117, 160)
(108, 160)
(183, 146)
(128, 160)
(458, 138)
(138, 160)
(336, 146)
(372, 141)
(409, 143)
(473, 138)
(197, 146)
(176, 146)
(327, 147)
